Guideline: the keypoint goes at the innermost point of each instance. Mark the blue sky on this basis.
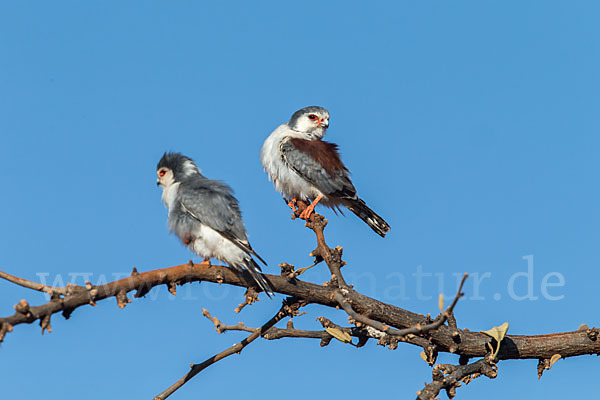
(472, 127)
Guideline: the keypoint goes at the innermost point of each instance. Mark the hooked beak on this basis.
(324, 123)
(157, 182)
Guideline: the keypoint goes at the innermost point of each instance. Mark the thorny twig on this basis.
(51, 290)
(290, 307)
(250, 297)
(413, 330)
(290, 331)
(332, 257)
(449, 377)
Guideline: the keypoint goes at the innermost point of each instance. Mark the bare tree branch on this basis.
(467, 343)
(289, 307)
(373, 319)
(449, 377)
(34, 285)
(333, 258)
(414, 330)
(290, 331)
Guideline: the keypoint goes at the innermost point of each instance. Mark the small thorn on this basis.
(22, 307)
(172, 288)
(122, 299)
(45, 324)
(583, 327)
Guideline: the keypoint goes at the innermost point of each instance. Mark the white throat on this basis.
(170, 194)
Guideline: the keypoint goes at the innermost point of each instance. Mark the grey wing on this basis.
(212, 203)
(335, 183)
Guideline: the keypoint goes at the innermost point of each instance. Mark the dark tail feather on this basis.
(257, 256)
(360, 208)
(254, 269)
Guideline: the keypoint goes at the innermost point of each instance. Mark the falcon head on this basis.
(173, 167)
(311, 120)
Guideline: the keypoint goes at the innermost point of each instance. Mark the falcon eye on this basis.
(312, 116)
(162, 172)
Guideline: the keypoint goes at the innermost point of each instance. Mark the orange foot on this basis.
(292, 204)
(309, 210)
(206, 261)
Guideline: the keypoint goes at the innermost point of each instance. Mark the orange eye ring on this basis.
(162, 172)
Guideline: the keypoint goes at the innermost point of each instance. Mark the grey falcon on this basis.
(206, 217)
(304, 167)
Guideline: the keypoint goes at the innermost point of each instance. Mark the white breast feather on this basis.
(286, 180)
(210, 243)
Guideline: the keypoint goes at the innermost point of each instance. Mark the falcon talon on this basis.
(292, 205)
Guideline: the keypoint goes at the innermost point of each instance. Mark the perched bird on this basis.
(304, 167)
(206, 217)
